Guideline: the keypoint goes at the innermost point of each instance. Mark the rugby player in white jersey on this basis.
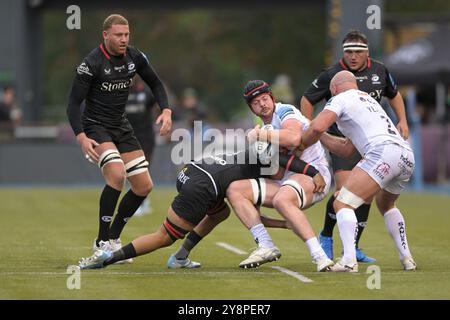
(383, 172)
(294, 192)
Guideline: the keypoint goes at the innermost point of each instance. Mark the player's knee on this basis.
(384, 206)
(116, 178)
(234, 191)
(144, 188)
(173, 232)
(296, 197)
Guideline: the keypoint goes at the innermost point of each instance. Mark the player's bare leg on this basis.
(173, 228)
(180, 258)
(297, 193)
(243, 195)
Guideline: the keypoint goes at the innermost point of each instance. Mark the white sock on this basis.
(395, 224)
(348, 228)
(261, 236)
(314, 247)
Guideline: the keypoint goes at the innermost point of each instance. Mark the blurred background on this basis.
(205, 52)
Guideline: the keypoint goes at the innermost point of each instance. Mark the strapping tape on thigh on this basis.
(259, 191)
(136, 166)
(301, 197)
(109, 156)
(348, 197)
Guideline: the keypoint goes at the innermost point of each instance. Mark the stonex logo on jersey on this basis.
(108, 86)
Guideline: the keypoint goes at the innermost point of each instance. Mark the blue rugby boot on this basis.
(361, 257)
(327, 245)
(174, 263)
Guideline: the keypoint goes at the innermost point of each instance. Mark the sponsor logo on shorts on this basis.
(382, 170)
(406, 161)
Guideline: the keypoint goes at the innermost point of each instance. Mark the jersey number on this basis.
(389, 128)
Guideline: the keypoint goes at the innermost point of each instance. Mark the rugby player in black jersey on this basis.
(106, 137)
(202, 188)
(374, 78)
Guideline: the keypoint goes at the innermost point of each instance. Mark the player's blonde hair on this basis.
(114, 19)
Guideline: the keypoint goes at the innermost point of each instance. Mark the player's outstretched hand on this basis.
(166, 118)
(319, 183)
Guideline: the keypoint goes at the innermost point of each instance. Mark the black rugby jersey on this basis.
(375, 79)
(104, 81)
(224, 169)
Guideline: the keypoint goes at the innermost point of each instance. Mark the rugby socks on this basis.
(126, 252)
(127, 207)
(108, 202)
(314, 247)
(362, 214)
(330, 219)
(191, 241)
(261, 236)
(348, 226)
(395, 224)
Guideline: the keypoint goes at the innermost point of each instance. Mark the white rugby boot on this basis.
(260, 256)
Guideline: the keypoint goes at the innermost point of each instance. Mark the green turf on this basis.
(45, 230)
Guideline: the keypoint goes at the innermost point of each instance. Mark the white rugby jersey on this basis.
(314, 154)
(362, 119)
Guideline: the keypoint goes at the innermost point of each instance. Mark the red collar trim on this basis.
(104, 52)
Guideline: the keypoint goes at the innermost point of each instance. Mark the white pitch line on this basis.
(293, 274)
(229, 247)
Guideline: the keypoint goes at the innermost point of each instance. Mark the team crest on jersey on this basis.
(375, 79)
(83, 68)
(131, 67)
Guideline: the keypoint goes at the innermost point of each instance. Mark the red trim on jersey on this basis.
(289, 162)
(306, 168)
(343, 65)
(104, 52)
(369, 62)
(172, 230)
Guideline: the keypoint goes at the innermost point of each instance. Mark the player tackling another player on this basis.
(383, 173)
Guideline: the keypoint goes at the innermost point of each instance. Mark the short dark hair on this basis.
(355, 36)
(114, 19)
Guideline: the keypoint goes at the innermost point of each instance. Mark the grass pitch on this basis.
(45, 230)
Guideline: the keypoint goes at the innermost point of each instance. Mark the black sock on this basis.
(126, 252)
(362, 213)
(330, 222)
(108, 201)
(127, 207)
(191, 241)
